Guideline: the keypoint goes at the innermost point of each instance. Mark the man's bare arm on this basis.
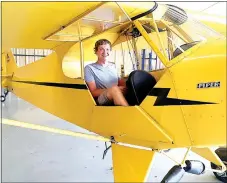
(94, 91)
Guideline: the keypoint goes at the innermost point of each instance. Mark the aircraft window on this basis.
(169, 27)
(26, 56)
(183, 30)
(184, 24)
(103, 18)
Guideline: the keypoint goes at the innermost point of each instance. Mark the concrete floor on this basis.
(36, 156)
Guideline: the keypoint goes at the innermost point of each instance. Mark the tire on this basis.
(3, 98)
(221, 152)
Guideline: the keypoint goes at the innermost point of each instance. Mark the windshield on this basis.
(177, 29)
(183, 21)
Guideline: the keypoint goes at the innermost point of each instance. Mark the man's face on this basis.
(103, 52)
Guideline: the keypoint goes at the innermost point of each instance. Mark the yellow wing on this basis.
(33, 21)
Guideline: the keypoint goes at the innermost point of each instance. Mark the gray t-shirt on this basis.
(104, 76)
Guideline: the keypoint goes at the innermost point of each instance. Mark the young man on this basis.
(102, 79)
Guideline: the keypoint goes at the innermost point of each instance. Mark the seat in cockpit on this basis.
(139, 84)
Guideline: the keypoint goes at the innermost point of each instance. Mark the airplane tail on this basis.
(131, 164)
(9, 66)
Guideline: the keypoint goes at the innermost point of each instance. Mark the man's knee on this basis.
(104, 99)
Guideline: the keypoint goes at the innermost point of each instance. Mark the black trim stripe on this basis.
(162, 99)
(145, 13)
(62, 85)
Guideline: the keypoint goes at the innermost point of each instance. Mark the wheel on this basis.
(3, 98)
(221, 152)
(220, 176)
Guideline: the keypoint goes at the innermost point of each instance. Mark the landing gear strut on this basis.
(3, 98)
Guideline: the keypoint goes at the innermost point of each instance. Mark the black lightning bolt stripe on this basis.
(62, 85)
(162, 99)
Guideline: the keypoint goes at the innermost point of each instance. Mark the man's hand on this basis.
(94, 91)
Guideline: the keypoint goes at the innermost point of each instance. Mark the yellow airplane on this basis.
(182, 105)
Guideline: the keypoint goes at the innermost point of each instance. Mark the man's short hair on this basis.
(101, 42)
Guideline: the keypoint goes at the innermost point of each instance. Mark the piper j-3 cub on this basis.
(181, 105)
